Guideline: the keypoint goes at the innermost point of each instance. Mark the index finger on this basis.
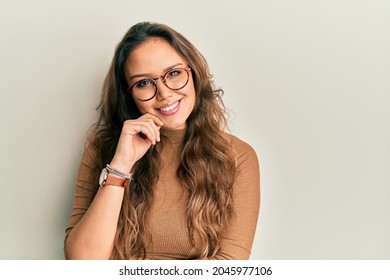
(154, 118)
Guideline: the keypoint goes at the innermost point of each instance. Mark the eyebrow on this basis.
(148, 74)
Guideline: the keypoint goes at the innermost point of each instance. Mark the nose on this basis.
(163, 92)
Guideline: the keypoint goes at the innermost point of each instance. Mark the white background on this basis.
(307, 82)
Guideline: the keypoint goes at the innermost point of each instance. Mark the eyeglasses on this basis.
(146, 89)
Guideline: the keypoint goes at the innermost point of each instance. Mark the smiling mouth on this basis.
(170, 107)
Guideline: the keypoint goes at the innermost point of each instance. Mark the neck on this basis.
(173, 136)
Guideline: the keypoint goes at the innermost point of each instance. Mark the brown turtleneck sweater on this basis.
(167, 221)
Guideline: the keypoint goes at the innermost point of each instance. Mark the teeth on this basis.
(169, 108)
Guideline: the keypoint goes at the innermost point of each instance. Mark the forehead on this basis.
(152, 57)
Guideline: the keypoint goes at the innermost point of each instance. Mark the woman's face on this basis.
(150, 60)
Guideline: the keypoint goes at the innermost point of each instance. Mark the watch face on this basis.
(103, 176)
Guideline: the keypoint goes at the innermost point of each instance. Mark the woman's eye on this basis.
(173, 73)
(143, 83)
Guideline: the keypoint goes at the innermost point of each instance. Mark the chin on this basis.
(175, 125)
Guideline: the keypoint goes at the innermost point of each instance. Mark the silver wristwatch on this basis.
(106, 179)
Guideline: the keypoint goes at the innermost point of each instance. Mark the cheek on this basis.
(191, 92)
(142, 107)
(193, 97)
(193, 101)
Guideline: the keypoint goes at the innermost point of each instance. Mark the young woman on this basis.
(160, 178)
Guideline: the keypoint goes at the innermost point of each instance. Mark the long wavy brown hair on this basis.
(207, 167)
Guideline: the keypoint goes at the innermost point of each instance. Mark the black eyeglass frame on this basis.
(163, 79)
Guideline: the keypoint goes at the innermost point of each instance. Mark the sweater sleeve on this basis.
(86, 188)
(238, 240)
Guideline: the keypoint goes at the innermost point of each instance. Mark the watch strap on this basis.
(115, 181)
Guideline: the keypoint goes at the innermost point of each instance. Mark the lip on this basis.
(167, 111)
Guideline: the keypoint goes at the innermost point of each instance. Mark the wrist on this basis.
(124, 167)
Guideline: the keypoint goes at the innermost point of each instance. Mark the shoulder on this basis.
(245, 156)
(247, 176)
(242, 149)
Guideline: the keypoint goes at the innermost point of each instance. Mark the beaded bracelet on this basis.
(119, 173)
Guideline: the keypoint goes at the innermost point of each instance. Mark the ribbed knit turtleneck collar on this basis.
(173, 136)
